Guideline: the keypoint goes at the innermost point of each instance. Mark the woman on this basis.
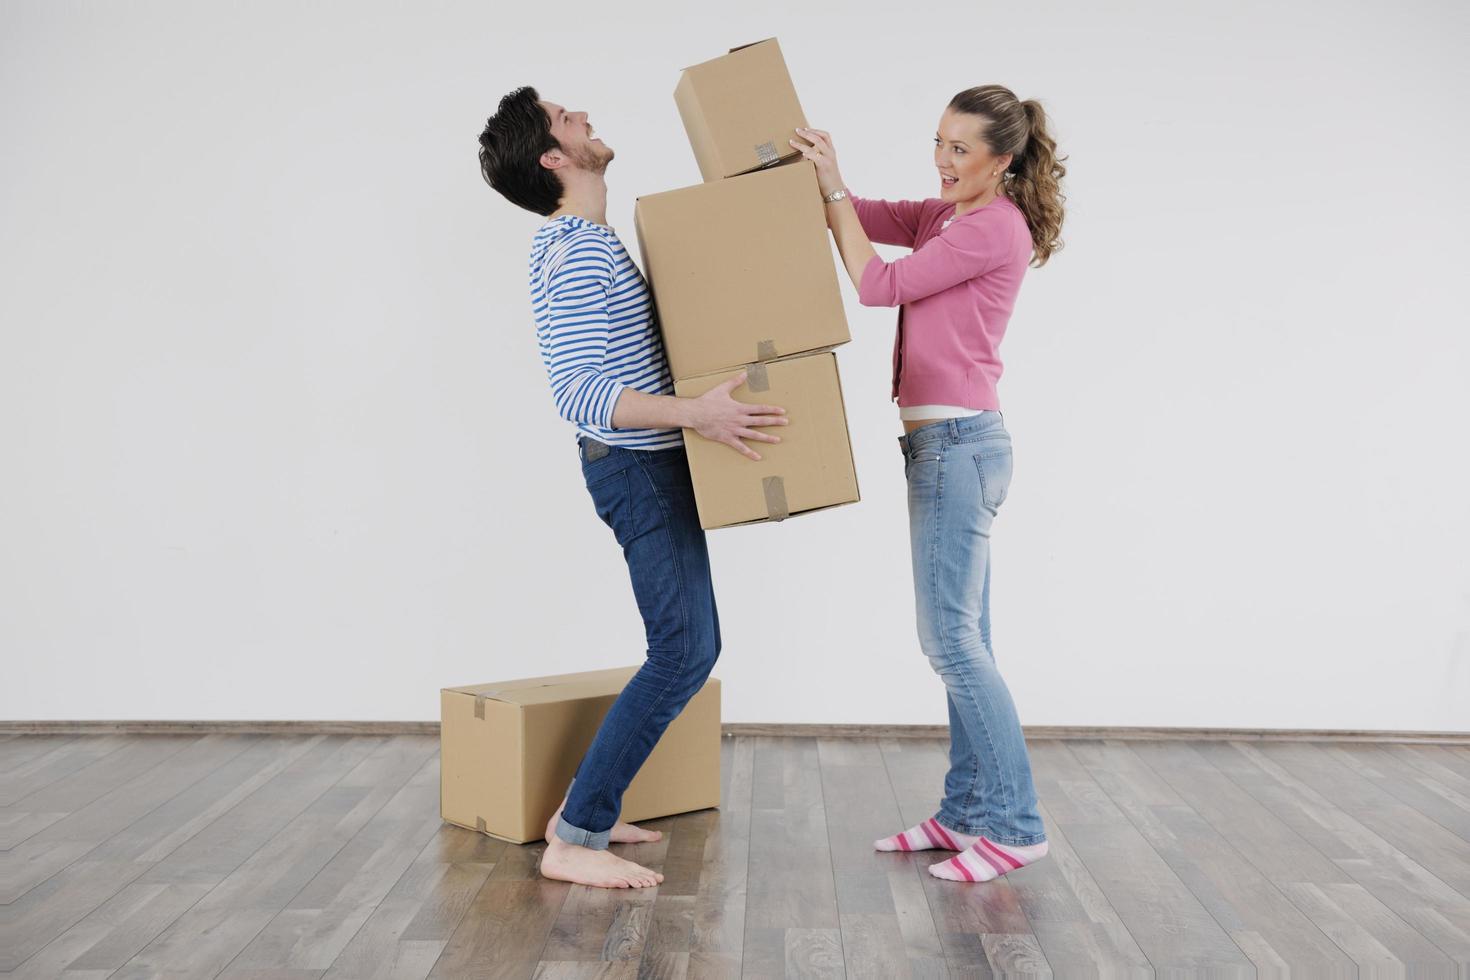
(999, 205)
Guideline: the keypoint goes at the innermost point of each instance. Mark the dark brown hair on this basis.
(1033, 180)
(510, 153)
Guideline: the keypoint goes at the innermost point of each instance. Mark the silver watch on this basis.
(836, 195)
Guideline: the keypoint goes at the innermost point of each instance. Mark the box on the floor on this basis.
(809, 469)
(741, 270)
(509, 750)
(740, 110)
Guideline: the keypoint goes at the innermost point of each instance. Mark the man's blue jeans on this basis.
(958, 473)
(646, 497)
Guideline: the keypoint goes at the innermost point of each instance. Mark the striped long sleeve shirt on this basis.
(597, 329)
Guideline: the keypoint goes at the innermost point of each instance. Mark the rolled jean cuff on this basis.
(598, 841)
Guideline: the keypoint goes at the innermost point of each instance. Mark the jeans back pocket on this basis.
(995, 475)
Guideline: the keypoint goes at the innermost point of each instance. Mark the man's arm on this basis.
(715, 415)
(639, 410)
(575, 344)
(576, 294)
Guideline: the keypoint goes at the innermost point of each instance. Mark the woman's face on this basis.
(966, 166)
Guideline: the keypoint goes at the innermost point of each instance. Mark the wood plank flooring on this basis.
(253, 856)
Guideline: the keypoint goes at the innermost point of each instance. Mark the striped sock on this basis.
(986, 859)
(926, 836)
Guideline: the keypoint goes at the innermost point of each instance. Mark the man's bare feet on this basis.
(622, 833)
(600, 869)
(626, 833)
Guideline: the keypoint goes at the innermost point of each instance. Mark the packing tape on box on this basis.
(775, 489)
(756, 378)
(480, 824)
(483, 695)
(766, 153)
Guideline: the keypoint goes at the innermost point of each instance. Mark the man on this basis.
(604, 358)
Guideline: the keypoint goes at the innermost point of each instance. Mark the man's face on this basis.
(574, 133)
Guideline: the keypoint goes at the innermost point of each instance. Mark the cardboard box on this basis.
(809, 469)
(740, 110)
(741, 270)
(508, 751)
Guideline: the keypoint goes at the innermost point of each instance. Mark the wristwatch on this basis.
(835, 196)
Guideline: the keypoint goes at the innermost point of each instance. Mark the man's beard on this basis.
(593, 159)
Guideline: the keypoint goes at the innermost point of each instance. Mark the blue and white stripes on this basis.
(597, 329)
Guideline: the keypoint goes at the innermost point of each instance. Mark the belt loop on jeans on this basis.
(954, 430)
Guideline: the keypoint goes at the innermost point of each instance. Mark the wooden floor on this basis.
(131, 856)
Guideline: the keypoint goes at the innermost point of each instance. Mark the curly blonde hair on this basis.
(1034, 178)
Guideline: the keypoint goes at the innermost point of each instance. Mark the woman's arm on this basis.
(847, 228)
(852, 242)
(888, 222)
(961, 253)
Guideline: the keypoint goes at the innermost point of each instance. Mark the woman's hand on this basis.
(847, 229)
(819, 150)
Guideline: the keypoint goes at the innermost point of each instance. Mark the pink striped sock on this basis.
(986, 859)
(926, 836)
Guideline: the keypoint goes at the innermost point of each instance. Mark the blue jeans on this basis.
(958, 472)
(646, 497)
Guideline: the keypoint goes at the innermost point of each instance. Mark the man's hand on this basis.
(720, 418)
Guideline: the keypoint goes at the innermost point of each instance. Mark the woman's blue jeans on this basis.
(958, 472)
(647, 499)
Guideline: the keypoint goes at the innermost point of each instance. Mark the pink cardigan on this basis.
(955, 294)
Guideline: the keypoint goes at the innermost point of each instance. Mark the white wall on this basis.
(277, 443)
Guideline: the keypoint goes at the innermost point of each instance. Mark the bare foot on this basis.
(622, 833)
(600, 869)
(626, 833)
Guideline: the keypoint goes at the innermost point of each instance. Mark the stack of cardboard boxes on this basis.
(743, 279)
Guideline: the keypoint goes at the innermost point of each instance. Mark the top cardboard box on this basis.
(740, 110)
